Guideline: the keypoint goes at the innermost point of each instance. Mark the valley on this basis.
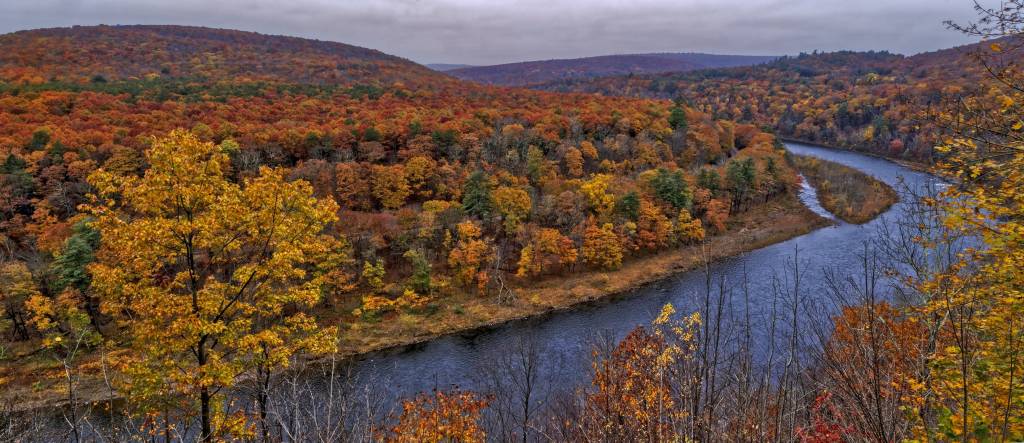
(213, 235)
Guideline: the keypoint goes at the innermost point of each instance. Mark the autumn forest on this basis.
(218, 235)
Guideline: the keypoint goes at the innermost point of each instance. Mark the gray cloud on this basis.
(498, 31)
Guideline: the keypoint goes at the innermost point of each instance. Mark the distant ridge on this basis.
(88, 53)
(865, 100)
(442, 67)
(543, 71)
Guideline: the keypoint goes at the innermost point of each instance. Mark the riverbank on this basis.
(776, 221)
(849, 194)
(912, 165)
(37, 384)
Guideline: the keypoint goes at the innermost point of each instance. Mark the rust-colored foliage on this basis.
(547, 249)
(476, 179)
(440, 417)
(633, 399)
(653, 228)
(826, 423)
(872, 361)
(874, 101)
(716, 214)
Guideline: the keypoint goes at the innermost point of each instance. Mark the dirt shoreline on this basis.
(776, 221)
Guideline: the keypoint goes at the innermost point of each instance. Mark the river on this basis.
(565, 339)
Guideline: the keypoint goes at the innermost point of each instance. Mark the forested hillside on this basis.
(871, 101)
(97, 54)
(200, 228)
(535, 72)
(130, 153)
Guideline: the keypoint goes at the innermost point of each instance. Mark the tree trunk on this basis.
(204, 401)
(204, 397)
(262, 400)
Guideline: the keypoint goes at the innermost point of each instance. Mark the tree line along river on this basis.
(564, 340)
(755, 297)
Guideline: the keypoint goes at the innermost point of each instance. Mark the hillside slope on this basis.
(446, 190)
(533, 72)
(97, 53)
(871, 101)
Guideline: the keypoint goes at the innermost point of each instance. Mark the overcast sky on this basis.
(500, 31)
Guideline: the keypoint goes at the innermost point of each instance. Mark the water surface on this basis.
(566, 339)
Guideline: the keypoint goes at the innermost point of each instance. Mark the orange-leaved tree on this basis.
(546, 249)
(440, 417)
(208, 277)
(471, 256)
(641, 386)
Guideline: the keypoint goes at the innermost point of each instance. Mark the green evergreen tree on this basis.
(741, 175)
(670, 186)
(13, 164)
(710, 180)
(19, 183)
(371, 134)
(677, 119)
(476, 195)
(771, 168)
(69, 265)
(420, 280)
(40, 138)
(629, 206)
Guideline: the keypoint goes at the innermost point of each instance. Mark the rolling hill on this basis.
(534, 72)
(97, 53)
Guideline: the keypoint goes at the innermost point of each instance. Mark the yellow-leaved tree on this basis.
(208, 277)
(977, 377)
(514, 206)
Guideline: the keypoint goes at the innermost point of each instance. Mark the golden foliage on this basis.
(471, 256)
(199, 270)
(601, 246)
(546, 249)
(687, 228)
(390, 186)
(596, 192)
(440, 417)
(513, 204)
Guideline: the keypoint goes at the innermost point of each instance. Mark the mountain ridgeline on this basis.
(446, 66)
(537, 72)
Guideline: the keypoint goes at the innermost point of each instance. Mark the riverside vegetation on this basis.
(189, 267)
(319, 190)
(851, 195)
